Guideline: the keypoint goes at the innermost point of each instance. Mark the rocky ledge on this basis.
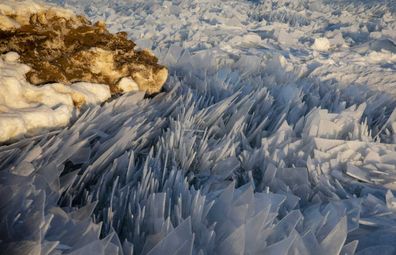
(62, 47)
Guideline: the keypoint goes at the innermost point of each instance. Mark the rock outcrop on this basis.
(53, 63)
(62, 47)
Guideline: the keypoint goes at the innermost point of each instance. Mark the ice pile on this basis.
(249, 151)
(251, 170)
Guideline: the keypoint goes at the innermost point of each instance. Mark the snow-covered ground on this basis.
(26, 109)
(275, 135)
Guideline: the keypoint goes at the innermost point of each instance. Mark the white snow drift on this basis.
(26, 109)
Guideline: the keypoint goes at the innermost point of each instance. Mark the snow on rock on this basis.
(26, 109)
(10, 57)
(75, 63)
(16, 13)
(127, 84)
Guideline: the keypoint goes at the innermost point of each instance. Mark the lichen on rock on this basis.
(62, 47)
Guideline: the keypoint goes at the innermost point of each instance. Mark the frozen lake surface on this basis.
(275, 134)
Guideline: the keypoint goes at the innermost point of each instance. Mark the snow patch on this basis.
(26, 109)
(127, 84)
(14, 14)
(321, 44)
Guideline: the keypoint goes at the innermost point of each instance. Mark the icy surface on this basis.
(267, 140)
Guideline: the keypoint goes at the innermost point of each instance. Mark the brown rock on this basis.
(67, 50)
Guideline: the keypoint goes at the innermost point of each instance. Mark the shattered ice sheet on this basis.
(267, 139)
